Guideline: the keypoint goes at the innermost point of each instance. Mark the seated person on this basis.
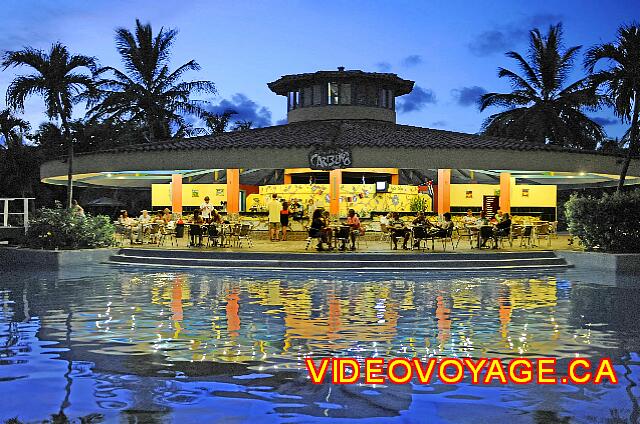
(196, 228)
(482, 220)
(327, 231)
(144, 221)
(442, 230)
(501, 229)
(158, 219)
(355, 228)
(216, 218)
(420, 228)
(398, 230)
(469, 219)
(167, 216)
(317, 228)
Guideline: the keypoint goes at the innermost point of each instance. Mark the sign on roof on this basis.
(330, 158)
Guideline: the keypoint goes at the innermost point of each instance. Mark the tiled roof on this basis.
(352, 133)
(295, 81)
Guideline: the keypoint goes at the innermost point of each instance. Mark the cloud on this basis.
(416, 100)
(247, 110)
(383, 66)
(505, 36)
(439, 124)
(468, 96)
(282, 121)
(412, 60)
(604, 121)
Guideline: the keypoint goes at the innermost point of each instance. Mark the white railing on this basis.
(6, 214)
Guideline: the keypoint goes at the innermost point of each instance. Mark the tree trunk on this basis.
(633, 142)
(67, 136)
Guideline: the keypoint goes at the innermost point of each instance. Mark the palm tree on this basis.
(56, 81)
(147, 90)
(11, 128)
(540, 109)
(621, 82)
(217, 123)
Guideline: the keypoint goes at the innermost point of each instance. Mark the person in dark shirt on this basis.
(317, 228)
(399, 231)
(501, 229)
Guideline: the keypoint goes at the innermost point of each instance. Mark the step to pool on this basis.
(339, 261)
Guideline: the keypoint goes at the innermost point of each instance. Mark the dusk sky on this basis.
(451, 49)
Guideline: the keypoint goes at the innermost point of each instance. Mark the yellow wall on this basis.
(192, 194)
(539, 195)
(361, 197)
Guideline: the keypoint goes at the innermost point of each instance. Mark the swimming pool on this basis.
(228, 347)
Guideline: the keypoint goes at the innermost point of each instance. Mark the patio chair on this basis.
(244, 233)
(213, 235)
(362, 236)
(486, 234)
(553, 229)
(154, 232)
(419, 235)
(122, 233)
(310, 238)
(385, 232)
(447, 236)
(234, 233)
(343, 234)
(167, 232)
(527, 231)
(195, 232)
(470, 233)
(542, 231)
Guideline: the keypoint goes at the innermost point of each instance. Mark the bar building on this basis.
(341, 149)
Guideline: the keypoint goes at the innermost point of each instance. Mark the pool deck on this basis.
(372, 255)
(297, 241)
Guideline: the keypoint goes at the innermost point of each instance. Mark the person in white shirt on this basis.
(205, 210)
(469, 219)
(274, 207)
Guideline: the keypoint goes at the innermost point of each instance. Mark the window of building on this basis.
(333, 93)
(307, 96)
(317, 95)
(383, 98)
(345, 94)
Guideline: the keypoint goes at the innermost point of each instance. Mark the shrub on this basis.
(609, 223)
(419, 204)
(60, 228)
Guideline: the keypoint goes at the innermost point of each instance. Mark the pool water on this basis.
(142, 345)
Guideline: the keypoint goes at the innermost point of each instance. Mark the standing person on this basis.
(356, 227)
(284, 219)
(76, 208)
(274, 207)
(205, 209)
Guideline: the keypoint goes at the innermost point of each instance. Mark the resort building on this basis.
(342, 149)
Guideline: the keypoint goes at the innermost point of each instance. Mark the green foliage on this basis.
(419, 203)
(62, 229)
(608, 223)
(542, 108)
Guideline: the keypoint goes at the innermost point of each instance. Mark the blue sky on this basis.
(452, 49)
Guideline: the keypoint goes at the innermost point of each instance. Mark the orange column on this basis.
(335, 179)
(444, 191)
(176, 193)
(395, 178)
(233, 190)
(287, 177)
(505, 192)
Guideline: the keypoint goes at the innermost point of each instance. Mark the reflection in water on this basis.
(232, 346)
